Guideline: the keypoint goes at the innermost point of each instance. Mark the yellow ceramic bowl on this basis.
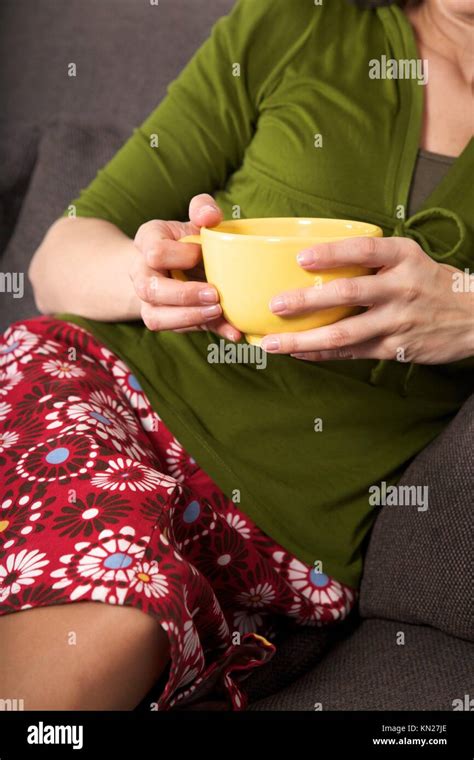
(251, 260)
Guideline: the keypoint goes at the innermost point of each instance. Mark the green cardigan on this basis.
(241, 122)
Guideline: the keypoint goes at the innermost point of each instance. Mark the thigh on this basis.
(66, 431)
(83, 656)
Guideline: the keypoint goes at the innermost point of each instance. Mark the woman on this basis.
(220, 500)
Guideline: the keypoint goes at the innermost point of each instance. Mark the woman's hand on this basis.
(413, 312)
(168, 304)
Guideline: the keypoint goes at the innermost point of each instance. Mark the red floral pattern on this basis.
(101, 502)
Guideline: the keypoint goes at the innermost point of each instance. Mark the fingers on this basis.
(337, 336)
(150, 233)
(222, 327)
(160, 290)
(372, 252)
(163, 255)
(204, 211)
(355, 291)
(187, 320)
(157, 241)
(169, 304)
(219, 326)
(168, 292)
(176, 317)
(378, 348)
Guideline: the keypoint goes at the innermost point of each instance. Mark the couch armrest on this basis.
(418, 567)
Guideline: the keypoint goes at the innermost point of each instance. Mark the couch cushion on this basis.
(125, 51)
(371, 671)
(67, 158)
(18, 150)
(419, 564)
(298, 651)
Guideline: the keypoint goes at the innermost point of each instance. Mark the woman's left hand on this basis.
(414, 312)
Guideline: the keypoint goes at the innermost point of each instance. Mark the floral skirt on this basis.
(99, 501)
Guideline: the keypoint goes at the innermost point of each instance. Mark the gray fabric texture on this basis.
(18, 148)
(419, 564)
(371, 671)
(297, 652)
(66, 159)
(430, 169)
(126, 52)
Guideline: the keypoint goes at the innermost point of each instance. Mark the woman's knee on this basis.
(81, 656)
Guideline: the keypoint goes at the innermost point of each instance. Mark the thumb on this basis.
(222, 327)
(204, 211)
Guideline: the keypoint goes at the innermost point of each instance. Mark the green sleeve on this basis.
(203, 124)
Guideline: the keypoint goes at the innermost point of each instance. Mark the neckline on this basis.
(440, 158)
(410, 120)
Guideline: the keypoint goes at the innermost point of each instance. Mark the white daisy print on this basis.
(191, 643)
(58, 419)
(127, 474)
(113, 423)
(19, 342)
(175, 456)
(62, 369)
(108, 416)
(170, 626)
(7, 440)
(129, 385)
(20, 570)
(49, 347)
(9, 378)
(247, 622)
(178, 460)
(223, 631)
(5, 410)
(150, 421)
(189, 674)
(146, 577)
(109, 561)
(259, 596)
(318, 587)
(238, 523)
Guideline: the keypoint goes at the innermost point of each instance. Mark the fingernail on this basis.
(278, 304)
(211, 311)
(208, 295)
(208, 209)
(270, 344)
(305, 257)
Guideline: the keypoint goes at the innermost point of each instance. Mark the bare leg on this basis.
(118, 654)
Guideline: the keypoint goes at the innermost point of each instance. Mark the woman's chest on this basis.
(448, 117)
(329, 142)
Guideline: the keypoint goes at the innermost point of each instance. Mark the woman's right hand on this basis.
(168, 304)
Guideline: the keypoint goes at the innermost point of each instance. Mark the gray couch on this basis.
(410, 644)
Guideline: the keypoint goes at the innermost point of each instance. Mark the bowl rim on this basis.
(372, 230)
